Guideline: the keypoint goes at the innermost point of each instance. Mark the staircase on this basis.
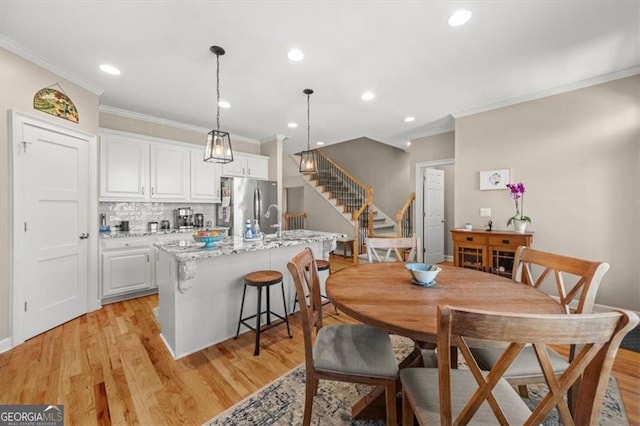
(383, 226)
(349, 199)
(353, 200)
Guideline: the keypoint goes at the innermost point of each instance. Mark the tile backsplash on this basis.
(139, 214)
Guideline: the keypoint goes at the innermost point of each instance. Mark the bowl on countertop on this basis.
(423, 273)
(209, 238)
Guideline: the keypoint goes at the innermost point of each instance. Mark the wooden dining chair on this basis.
(354, 353)
(404, 249)
(446, 395)
(572, 279)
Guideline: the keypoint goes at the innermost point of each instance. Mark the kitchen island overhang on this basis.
(200, 290)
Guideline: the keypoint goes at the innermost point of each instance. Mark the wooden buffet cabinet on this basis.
(489, 251)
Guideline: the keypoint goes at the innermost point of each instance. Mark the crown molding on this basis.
(170, 123)
(277, 137)
(550, 92)
(29, 55)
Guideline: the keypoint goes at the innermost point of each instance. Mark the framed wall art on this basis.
(494, 179)
(55, 102)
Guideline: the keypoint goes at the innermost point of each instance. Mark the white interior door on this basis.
(52, 266)
(433, 226)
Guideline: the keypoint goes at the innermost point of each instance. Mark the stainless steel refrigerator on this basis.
(247, 199)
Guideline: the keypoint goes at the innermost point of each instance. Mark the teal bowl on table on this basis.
(423, 273)
(208, 240)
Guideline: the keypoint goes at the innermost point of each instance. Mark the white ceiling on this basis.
(403, 51)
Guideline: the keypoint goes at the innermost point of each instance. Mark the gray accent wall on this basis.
(380, 166)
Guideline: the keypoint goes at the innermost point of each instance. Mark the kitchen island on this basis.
(200, 290)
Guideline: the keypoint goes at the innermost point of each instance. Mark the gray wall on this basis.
(380, 166)
(321, 216)
(432, 148)
(578, 154)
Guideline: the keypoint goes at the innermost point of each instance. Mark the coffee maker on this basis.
(183, 218)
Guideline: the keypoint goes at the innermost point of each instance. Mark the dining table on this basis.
(385, 296)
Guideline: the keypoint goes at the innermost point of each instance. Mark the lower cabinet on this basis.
(126, 266)
(129, 265)
(489, 251)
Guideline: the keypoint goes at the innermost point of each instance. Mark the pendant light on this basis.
(218, 148)
(308, 158)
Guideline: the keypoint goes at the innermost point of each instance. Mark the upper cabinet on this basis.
(139, 168)
(247, 165)
(123, 168)
(205, 178)
(169, 172)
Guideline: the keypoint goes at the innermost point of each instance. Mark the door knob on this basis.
(84, 236)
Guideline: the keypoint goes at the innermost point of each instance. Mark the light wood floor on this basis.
(110, 367)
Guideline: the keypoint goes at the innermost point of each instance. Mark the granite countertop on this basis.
(143, 232)
(184, 251)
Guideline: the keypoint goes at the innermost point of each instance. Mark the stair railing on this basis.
(294, 220)
(404, 217)
(354, 196)
(362, 225)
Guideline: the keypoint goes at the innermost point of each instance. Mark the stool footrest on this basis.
(267, 326)
(244, 321)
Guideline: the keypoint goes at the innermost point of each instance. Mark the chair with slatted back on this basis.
(573, 279)
(404, 249)
(355, 353)
(445, 395)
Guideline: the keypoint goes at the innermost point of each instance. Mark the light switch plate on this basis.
(485, 212)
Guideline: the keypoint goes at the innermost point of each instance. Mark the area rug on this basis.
(632, 340)
(282, 401)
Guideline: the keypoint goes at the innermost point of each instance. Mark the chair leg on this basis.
(284, 304)
(309, 393)
(407, 411)
(390, 398)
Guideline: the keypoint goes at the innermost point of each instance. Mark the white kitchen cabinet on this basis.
(129, 266)
(205, 178)
(169, 172)
(247, 165)
(126, 266)
(123, 168)
(138, 168)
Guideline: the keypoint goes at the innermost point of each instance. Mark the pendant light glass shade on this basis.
(308, 158)
(307, 162)
(218, 147)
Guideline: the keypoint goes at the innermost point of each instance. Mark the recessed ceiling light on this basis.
(224, 104)
(110, 69)
(409, 119)
(319, 143)
(367, 96)
(295, 55)
(408, 143)
(459, 17)
(292, 125)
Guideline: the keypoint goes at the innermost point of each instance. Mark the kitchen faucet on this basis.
(278, 226)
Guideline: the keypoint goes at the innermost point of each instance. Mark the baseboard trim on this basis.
(448, 258)
(5, 344)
